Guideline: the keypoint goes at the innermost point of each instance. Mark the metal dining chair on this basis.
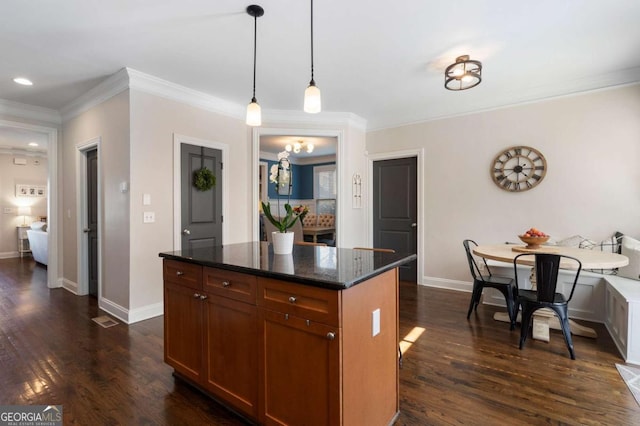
(545, 295)
(504, 285)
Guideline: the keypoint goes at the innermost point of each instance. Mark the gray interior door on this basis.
(395, 209)
(201, 210)
(92, 220)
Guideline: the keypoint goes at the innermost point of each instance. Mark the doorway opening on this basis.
(311, 153)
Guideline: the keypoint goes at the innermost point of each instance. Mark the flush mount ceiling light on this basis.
(254, 115)
(297, 147)
(32, 144)
(464, 74)
(23, 81)
(312, 101)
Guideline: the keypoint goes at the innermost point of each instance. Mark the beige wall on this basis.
(154, 121)
(10, 176)
(592, 187)
(110, 122)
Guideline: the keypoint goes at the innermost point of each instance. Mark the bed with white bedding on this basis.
(38, 242)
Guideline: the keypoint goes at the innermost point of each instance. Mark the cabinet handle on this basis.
(196, 295)
(179, 273)
(331, 335)
(204, 296)
(292, 299)
(226, 283)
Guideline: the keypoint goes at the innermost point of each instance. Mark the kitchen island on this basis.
(308, 338)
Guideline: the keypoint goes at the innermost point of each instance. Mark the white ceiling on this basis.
(381, 60)
(322, 145)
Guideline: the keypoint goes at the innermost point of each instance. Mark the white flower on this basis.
(283, 154)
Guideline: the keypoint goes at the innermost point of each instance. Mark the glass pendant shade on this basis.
(312, 101)
(254, 114)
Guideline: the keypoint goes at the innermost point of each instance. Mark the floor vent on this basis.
(105, 321)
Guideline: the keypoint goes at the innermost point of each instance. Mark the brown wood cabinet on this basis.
(283, 353)
(210, 335)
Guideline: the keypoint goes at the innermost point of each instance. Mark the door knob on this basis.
(331, 335)
(86, 230)
(185, 231)
(414, 225)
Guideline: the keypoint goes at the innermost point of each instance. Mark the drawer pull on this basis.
(331, 335)
(196, 295)
(179, 273)
(292, 299)
(203, 297)
(226, 283)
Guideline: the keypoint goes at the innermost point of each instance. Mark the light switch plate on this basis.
(146, 199)
(375, 322)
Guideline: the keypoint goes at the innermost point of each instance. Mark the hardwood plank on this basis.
(456, 372)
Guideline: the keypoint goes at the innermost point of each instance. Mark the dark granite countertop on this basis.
(328, 267)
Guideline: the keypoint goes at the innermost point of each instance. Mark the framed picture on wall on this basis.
(31, 191)
(22, 190)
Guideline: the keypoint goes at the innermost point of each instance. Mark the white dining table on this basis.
(544, 319)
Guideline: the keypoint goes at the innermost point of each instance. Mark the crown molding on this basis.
(29, 112)
(108, 88)
(165, 89)
(301, 118)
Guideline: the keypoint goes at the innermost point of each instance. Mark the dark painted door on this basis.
(201, 210)
(92, 220)
(395, 209)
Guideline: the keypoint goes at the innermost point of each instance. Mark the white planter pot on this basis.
(283, 263)
(282, 242)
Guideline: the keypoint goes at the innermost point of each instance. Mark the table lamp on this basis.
(24, 211)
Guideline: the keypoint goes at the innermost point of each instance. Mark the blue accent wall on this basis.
(302, 180)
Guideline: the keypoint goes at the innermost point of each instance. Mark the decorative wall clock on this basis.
(518, 168)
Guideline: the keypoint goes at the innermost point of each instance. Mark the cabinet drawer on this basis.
(234, 285)
(312, 303)
(186, 274)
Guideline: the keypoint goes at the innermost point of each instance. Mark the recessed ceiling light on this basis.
(33, 144)
(23, 81)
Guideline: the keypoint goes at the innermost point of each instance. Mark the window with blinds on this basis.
(324, 182)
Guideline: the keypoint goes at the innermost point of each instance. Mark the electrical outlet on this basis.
(375, 322)
(148, 217)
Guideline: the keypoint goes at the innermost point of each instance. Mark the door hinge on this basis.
(221, 165)
(221, 219)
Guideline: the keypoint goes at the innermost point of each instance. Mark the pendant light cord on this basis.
(255, 42)
(312, 82)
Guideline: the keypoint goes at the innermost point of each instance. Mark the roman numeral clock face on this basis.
(519, 168)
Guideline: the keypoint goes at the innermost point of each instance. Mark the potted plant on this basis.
(281, 176)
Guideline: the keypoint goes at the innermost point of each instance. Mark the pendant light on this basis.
(254, 115)
(312, 102)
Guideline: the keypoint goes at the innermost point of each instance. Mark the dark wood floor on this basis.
(456, 372)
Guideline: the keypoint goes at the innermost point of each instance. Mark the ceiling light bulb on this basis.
(310, 148)
(467, 78)
(458, 72)
(297, 147)
(23, 81)
(254, 115)
(33, 144)
(288, 148)
(312, 101)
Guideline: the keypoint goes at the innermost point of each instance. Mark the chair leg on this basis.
(526, 320)
(566, 329)
(507, 292)
(399, 357)
(475, 296)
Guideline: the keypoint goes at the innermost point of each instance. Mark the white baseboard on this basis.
(146, 312)
(9, 254)
(447, 284)
(131, 316)
(68, 285)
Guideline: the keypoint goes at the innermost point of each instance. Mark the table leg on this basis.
(315, 238)
(543, 321)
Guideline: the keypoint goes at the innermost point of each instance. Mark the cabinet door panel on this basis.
(300, 376)
(231, 352)
(183, 330)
